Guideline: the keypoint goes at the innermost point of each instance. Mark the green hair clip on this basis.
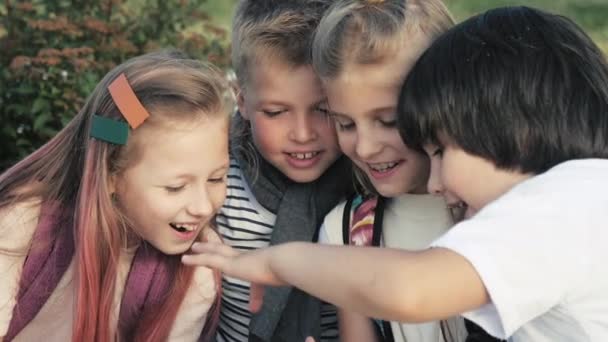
(110, 130)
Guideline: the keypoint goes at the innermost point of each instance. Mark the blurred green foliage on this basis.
(55, 52)
(591, 15)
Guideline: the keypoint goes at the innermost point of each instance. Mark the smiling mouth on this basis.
(304, 155)
(383, 167)
(183, 228)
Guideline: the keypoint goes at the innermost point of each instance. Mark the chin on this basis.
(303, 177)
(174, 250)
(388, 191)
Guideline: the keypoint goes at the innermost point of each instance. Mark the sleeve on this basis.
(17, 226)
(331, 230)
(527, 257)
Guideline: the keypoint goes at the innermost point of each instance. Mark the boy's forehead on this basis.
(271, 71)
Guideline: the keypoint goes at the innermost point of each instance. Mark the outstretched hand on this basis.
(253, 266)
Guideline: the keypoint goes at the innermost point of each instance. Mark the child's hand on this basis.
(252, 266)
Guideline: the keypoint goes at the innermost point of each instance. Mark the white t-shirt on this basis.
(541, 250)
(410, 222)
(54, 321)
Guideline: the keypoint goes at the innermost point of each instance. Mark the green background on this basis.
(55, 52)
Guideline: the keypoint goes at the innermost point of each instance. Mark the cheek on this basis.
(324, 126)
(449, 177)
(217, 196)
(261, 127)
(423, 166)
(347, 142)
(393, 138)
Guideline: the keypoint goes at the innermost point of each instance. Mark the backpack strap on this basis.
(383, 328)
(346, 220)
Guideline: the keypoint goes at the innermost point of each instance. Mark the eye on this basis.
(387, 120)
(322, 110)
(174, 189)
(217, 180)
(272, 113)
(438, 152)
(343, 124)
(346, 126)
(388, 123)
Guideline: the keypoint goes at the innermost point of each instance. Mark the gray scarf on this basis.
(288, 314)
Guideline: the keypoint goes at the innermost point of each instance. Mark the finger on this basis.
(309, 339)
(214, 248)
(256, 297)
(217, 261)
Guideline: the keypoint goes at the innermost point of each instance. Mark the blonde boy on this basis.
(286, 170)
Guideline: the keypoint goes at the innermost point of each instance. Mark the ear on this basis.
(240, 101)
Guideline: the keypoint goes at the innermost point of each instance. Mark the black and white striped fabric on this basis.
(244, 224)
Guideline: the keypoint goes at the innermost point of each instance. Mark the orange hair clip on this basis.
(126, 101)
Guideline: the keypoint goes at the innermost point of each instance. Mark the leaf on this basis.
(40, 104)
(22, 142)
(16, 108)
(25, 89)
(9, 131)
(40, 121)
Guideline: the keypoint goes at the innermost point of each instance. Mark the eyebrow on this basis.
(322, 101)
(375, 111)
(271, 103)
(224, 166)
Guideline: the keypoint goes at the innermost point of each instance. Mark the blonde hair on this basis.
(368, 32)
(371, 32)
(281, 30)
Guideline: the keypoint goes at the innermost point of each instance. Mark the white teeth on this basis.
(303, 156)
(381, 167)
(184, 227)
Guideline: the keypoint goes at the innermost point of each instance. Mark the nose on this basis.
(367, 144)
(200, 203)
(434, 184)
(303, 128)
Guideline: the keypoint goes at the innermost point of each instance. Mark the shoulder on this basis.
(331, 230)
(17, 225)
(414, 221)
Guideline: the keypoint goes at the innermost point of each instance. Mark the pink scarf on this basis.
(53, 249)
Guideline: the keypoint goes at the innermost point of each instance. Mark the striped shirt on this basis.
(246, 225)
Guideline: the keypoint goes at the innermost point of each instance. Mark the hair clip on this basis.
(115, 131)
(127, 102)
(109, 130)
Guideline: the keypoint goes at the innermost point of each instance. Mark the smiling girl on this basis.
(92, 224)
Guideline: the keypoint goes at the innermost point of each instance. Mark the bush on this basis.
(55, 52)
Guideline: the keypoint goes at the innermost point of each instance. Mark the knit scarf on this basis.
(288, 314)
(149, 279)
